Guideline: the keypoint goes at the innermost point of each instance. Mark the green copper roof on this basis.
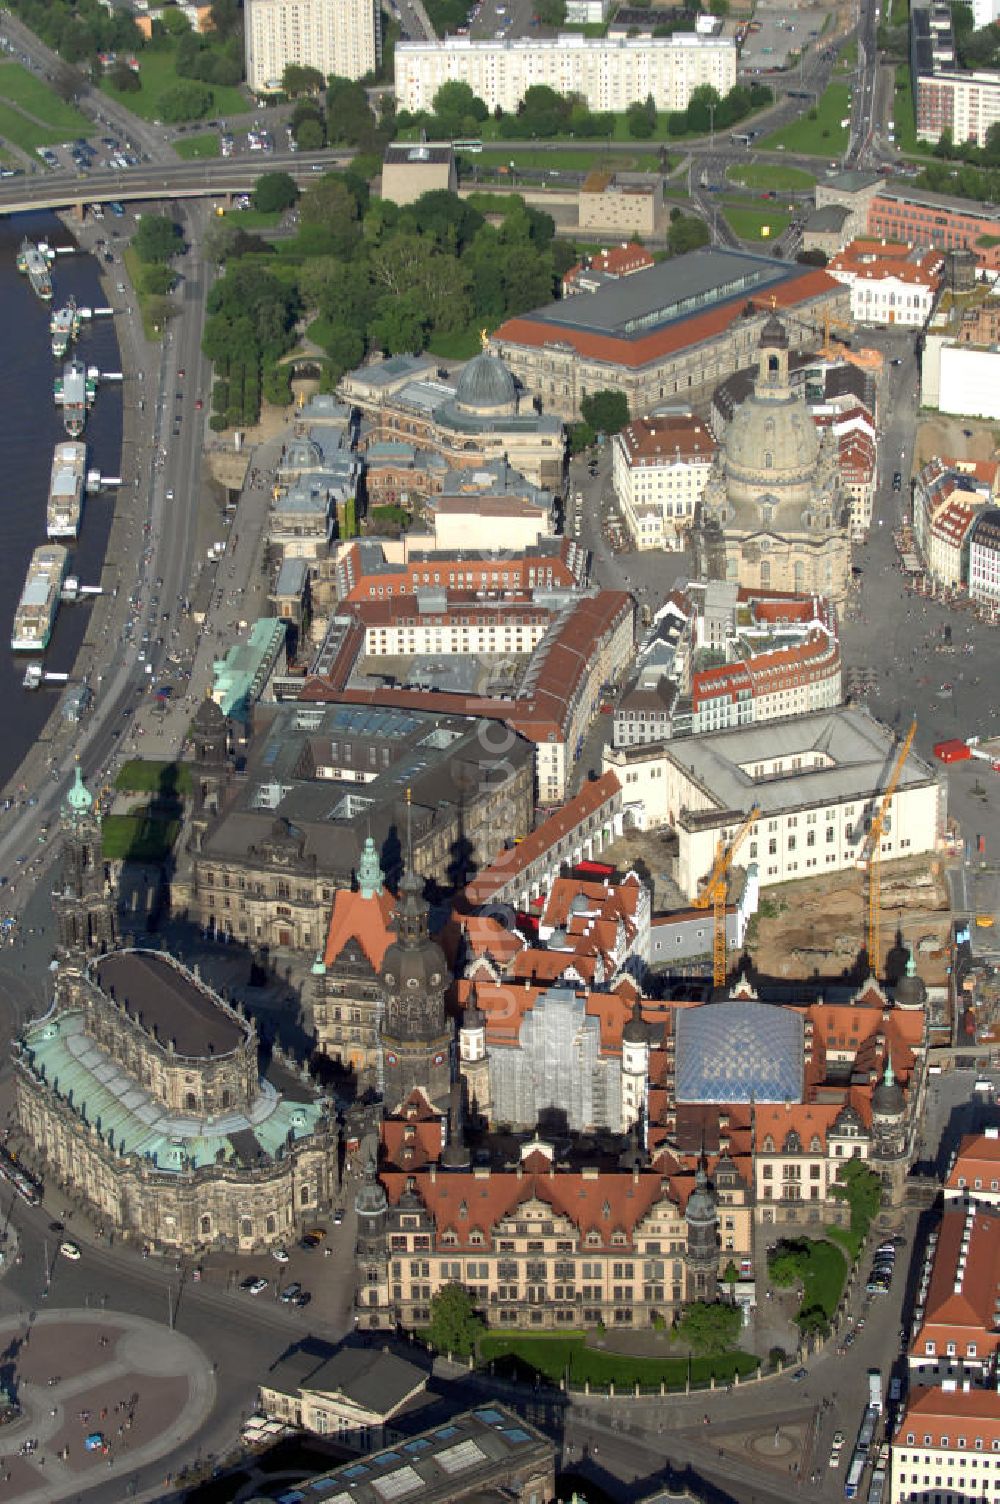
(79, 800)
(371, 879)
(133, 1122)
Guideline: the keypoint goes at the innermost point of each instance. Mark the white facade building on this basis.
(607, 73)
(984, 558)
(968, 380)
(343, 37)
(890, 284)
(815, 779)
(660, 466)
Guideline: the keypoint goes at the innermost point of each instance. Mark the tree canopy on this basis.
(710, 1327)
(454, 1326)
(157, 238)
(298, 80)
(605, 411)
(275, 191)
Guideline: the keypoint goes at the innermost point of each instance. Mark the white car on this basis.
(279, 1255)
(69, 1251)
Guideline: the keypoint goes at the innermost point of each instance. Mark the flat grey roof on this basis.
(157, 991)
(851, 181)
(830, 217)
(859, 753)
(469, 1457)
(973, 207)
(670, 291)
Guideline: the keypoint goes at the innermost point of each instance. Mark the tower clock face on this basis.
(391, 1059)
(390, 980)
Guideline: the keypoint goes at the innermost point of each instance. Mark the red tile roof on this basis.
(366, 920)
(958, 1315)
(946, 1414)
(604, 1202)
(679, 335)
(516, 859)
(978, 1158)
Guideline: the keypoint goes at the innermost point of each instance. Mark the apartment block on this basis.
(607, 73)
(333, 36)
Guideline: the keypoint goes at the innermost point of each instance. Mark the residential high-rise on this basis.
(607, 73)
(342, 37)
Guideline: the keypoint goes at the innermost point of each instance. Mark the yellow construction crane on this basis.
(872, 851)
(713, 895)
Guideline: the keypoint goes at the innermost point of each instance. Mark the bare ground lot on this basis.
(944, 435)
(820, 925)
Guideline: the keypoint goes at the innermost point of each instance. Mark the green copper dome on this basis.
(79, 800)
(370, 876)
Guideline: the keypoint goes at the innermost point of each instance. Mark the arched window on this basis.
(271, 1223)
(227, 1100)
(765, 572)
(246, 1227)
(206, 1227)
(304, 1196)
(768, 460)
(772, 364)
(800, 575)
(191, 1102)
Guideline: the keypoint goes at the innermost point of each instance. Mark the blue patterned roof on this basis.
(739, 1052)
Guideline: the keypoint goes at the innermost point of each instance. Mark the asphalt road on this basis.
(91, 102)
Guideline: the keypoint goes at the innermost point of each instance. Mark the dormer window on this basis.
(950, 1349)
(971, 1350)
(593, 1240)
(476, 1238)
(930, 1348)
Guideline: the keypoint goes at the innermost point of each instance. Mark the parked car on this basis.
(257, 1286)
(69, 1251)
(279, 1255)
(290, 1293)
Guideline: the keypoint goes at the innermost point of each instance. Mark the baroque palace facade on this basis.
(139, 1092)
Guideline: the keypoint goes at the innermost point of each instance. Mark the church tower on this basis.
(889, 1157)
(209, 767)
(702, 1218)
(371, 1207)
(83, 903)
(416, 1033)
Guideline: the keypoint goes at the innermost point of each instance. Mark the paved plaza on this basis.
(139, 1387)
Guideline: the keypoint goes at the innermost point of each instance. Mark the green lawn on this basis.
(20, 131)
(192, 147)
(552, 1357)
(19, 87)
(762, 222)
(824, 1276)
(157, 74)
(145, 775)
(822, 137)
(848, 59)
(254, 219)
(899, 12)
(570, 161)
(773, 175)
(138, 838)
(134, 268)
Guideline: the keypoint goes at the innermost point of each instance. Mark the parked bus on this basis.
(854, 1473)
(473, 146)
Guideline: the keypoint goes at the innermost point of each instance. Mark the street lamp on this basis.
(711, 124)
